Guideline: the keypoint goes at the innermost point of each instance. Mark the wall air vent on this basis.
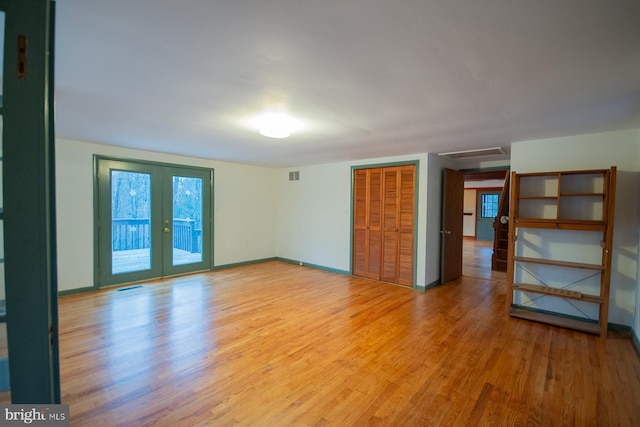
(469, 154)
(294, 176)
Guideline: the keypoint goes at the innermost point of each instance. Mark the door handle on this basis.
(166, 229)
(446, 232)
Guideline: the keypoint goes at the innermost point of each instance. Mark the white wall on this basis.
(244, 203)
(314, 215)
(258, 213)
(600, 151)
(469, 220)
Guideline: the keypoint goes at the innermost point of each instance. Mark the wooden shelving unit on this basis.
(560, 242)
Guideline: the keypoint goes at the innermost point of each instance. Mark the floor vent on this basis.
(129, 288)
(294, 176)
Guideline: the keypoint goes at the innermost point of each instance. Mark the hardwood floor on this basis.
(276, 344)
(476, 256)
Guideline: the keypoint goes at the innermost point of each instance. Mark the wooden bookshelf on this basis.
(569, 202)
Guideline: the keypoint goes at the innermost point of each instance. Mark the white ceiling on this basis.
(370, 78)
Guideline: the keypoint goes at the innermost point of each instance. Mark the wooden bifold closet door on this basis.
(383, 223)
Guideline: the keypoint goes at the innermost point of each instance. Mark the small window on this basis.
(489, 205)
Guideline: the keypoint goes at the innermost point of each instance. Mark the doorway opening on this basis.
(483, 193)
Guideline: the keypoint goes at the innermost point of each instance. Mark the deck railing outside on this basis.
(135, 233)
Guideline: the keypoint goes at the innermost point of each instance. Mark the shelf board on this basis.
(559, 263)
(560, 173)
(561, 224)
(538, 197)
(581, 194)
(550, 319)
(556, 292)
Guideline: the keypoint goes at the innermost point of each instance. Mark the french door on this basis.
(153, 220)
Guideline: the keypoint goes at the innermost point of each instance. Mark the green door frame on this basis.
(29, 201)
(161, 251)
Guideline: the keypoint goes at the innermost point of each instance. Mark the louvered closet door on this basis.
(406, 225)
(398, 238)
(390, 225)
(360, 201)
(383, 232)
(367, 223)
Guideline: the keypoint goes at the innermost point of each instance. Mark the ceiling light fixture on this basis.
(276, 124)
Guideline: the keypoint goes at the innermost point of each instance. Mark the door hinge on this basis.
(21, 71)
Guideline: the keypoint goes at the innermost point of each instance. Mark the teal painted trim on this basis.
(384, 165)
(416, 163)
(636, 341)
(76, 291)
(623, 329)
(55, 340)
(4, 375)
(316, 266)
(150, 162)
(416, 192)
(96, 229)
(212, 217)
(239, 264)
(433, 284)
(351, 221)
(29, 201)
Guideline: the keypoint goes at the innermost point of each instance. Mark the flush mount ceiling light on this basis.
(276, 124)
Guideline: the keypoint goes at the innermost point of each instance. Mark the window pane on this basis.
(130, 221)
(187, 220)
(489, 205)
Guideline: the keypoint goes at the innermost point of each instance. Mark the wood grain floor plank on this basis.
(278, 344)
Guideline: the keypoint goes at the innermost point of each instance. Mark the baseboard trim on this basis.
(240, 264)
(215, 268)
(76, 291)
(635, 340)
(432, 284)
(316, 266)
(624, 329)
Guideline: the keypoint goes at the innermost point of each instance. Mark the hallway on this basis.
(476, 260)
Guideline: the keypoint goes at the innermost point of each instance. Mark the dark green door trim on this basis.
(29, 202)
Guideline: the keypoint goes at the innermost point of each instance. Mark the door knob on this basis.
(166, 229)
